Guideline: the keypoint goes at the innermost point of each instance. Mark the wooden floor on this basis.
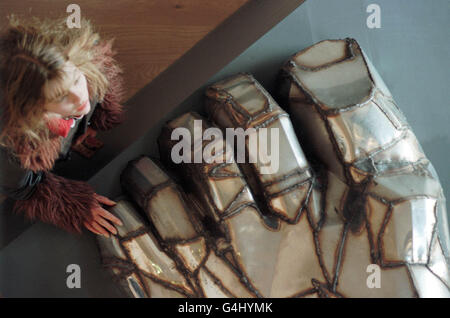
(150, 34)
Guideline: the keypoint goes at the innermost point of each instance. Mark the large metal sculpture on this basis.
(364, 198)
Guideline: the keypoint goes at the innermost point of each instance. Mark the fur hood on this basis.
(107, 114)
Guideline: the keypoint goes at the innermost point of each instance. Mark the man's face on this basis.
(75, 102)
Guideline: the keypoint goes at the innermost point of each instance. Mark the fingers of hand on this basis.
(90, 228)
(100, 220)
(108, 215)
(100, 223)
(99, 229)
(104, 200)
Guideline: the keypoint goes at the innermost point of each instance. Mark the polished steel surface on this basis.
(352, 189)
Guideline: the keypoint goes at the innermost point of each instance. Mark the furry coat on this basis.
(51, 198)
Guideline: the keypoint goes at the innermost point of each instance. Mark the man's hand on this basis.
(100, 224)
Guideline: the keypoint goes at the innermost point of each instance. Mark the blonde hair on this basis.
(33, 52)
